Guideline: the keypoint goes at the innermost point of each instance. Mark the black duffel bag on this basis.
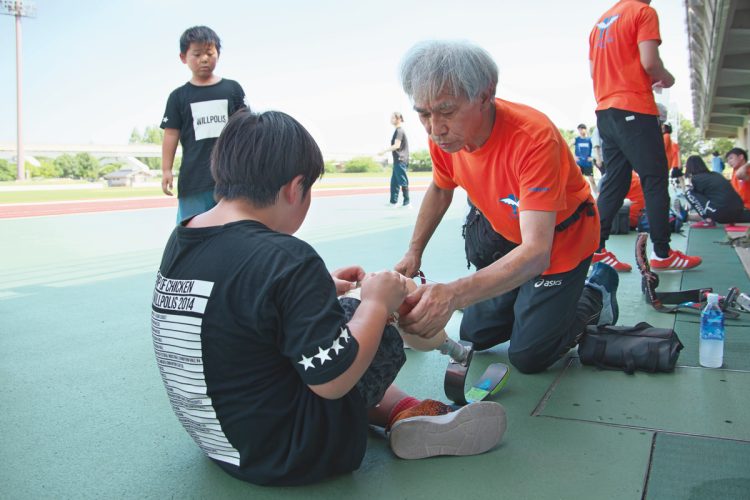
(630, 348)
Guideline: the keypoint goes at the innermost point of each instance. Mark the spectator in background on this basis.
(712, 196)
(671, 148)
(583, 150)
(717, 164)
(737, 159)
(400, 149)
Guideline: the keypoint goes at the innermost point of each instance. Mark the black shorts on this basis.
(385, 366)
(586, 170)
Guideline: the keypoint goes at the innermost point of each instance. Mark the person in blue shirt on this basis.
(717, 164)
(583, 153)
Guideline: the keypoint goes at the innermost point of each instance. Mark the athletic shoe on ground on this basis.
(702, 224)
(609, 258)
(392, 205)
(676, 261)
(604, 278)
(432, 428)
(406, 205)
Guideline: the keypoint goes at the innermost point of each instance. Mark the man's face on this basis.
(735, 160)
(452, 122)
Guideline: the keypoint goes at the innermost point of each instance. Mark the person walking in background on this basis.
(400, 149)
(737, 159)
(625, 67)
(195, 116)
(584, 151)
(712, 196)
(717, 164)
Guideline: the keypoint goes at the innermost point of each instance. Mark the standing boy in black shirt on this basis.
(195, 115)
(273, 375)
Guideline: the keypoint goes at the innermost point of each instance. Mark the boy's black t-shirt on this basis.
(200, 113)
(243, 320)
(719, 190)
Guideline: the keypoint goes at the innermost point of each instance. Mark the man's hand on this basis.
(346, 278)
(409, 264)
(167, 178)
(386, 287)
(432, 309)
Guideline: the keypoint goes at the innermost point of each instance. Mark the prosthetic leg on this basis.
(460, 355)
(686, 300)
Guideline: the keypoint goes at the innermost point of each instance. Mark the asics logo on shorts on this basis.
(547, 283)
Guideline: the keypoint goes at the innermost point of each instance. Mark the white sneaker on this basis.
(470, 430)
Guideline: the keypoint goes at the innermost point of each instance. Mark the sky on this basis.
(93, 71)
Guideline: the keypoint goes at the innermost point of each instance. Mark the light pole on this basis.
(19, 9)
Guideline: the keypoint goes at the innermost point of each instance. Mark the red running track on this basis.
(18, 210)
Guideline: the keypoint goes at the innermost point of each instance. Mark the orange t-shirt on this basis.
(619, 78)
(637, 201)
(673, 151)
(742, 188)
(524, 165)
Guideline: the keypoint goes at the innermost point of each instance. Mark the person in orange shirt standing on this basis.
(626, 67)
(737, 159)
(532, 227)
(637, 202)
(671, 148)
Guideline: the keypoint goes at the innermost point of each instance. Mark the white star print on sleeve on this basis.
(323, 355)
(337, 345)
(306, 362)
(344, 333)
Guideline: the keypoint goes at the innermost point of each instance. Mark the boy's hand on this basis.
(387, 287)
(167, 179)
(346, 278)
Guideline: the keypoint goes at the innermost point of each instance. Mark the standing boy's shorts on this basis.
(385, 366)
(194, 204)
(586, 169)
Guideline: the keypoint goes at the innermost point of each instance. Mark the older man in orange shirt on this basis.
(533, 224)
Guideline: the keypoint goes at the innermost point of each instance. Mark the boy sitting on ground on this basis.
(274, 376)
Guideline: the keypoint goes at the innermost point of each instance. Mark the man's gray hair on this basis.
(458, 67)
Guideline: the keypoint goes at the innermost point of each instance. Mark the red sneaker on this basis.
(609, 258)
(676, 261)
(702, 224)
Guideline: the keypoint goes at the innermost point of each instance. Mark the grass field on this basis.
(39, 192)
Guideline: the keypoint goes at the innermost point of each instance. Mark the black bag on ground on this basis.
(630, 348)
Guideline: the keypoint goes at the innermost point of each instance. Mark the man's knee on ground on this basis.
(529, 361)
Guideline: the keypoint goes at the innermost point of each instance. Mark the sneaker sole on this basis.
(471, 430)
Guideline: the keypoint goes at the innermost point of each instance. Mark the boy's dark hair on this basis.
(201, 35)
(715, 153)
(737, 151)
(667, 128)
(695, 165)
(256, 154)
(580, 126)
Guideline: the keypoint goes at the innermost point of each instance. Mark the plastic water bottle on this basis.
(711, 353)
